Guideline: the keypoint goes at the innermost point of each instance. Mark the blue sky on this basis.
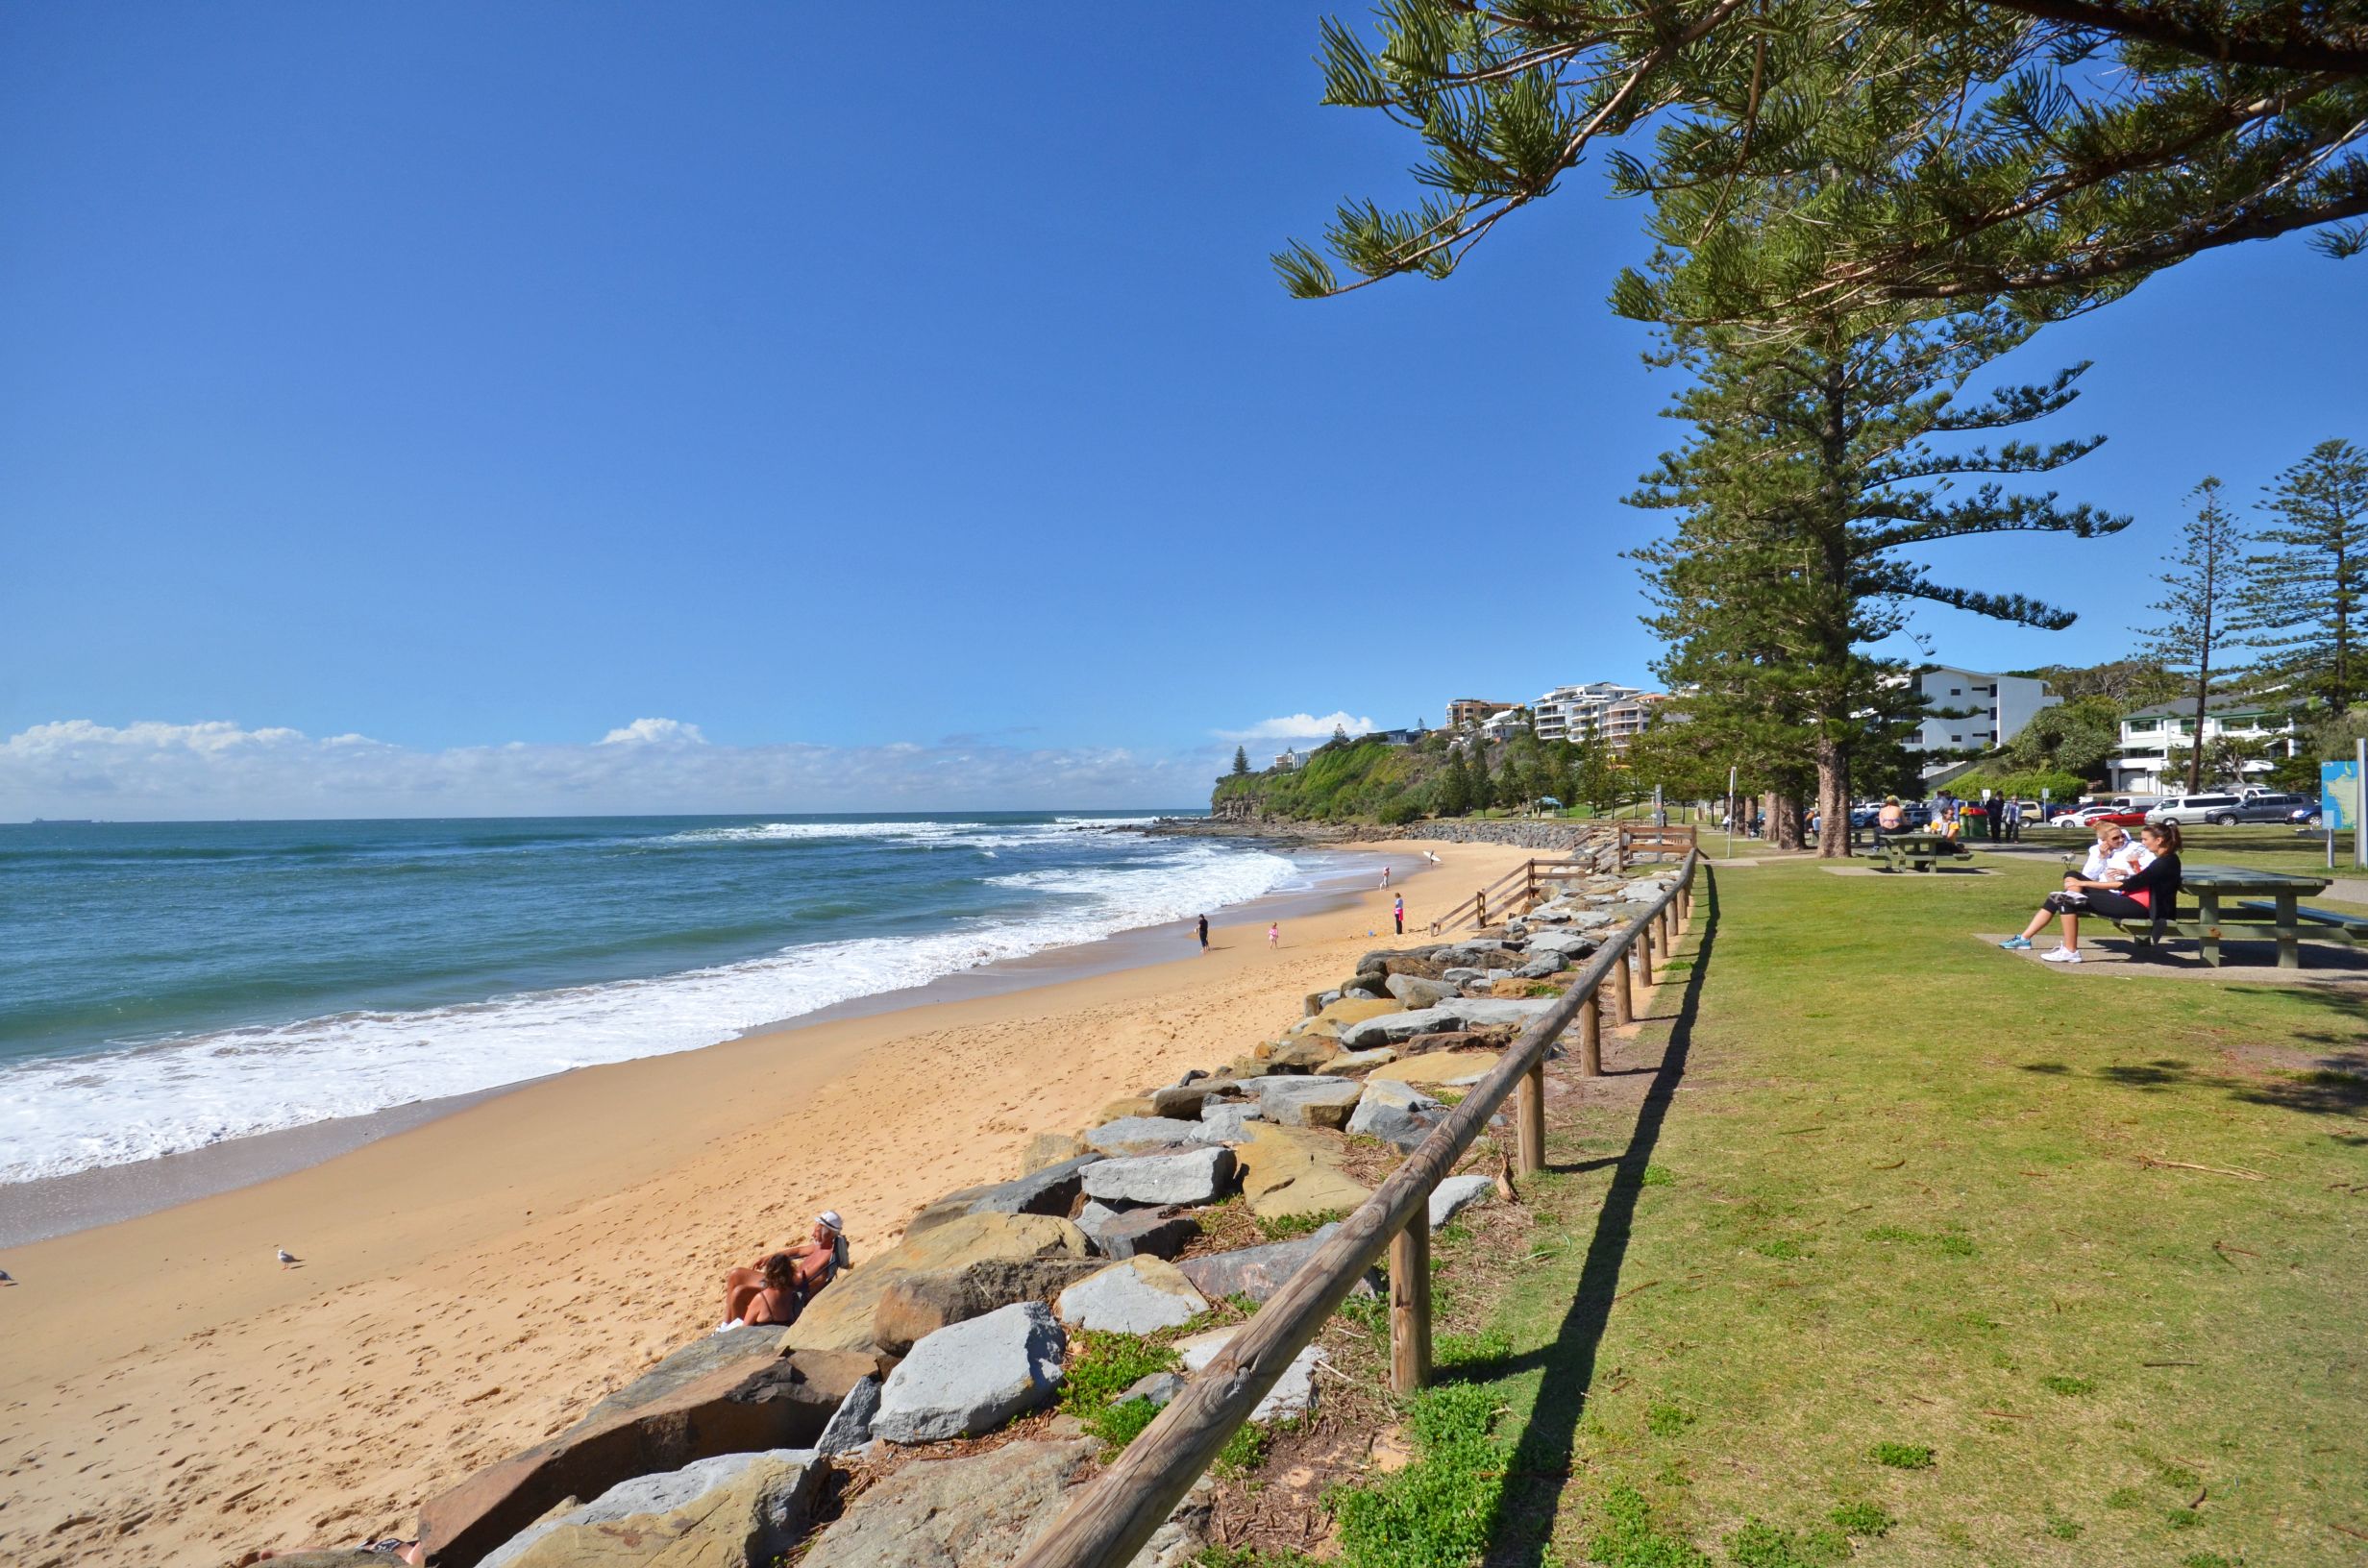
(481, 381)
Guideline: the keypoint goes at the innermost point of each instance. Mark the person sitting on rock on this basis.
(775, 1289)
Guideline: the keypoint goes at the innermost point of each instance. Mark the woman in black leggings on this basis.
(2122, 899)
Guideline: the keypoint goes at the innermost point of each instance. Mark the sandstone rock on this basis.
(1301, 1056)
(1288, 1173)
(850, 1426)
(1049, 1149)
(916, 1306)
(972, 1376)
(1138, 1232)
(1257, 1272)
(1457, 1193)
(736, 1511)
(724, 1393)
(1183, 1100)
(1229, 1123)
(1193, 1176)
(978, 1511)
(1293, 1392)
(1442, 1066)
(1306, 1102)
(842, 1317)
(1140, 1135)
(1051, 1189)
(1132, 1106)
(1415, 992)
(1396, 1112)
(1349, 1062)
(1141, 1295)
(1366, 987)
(1356, 1010)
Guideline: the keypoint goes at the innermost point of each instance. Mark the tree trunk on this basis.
(1784, 821)
(1833, 800)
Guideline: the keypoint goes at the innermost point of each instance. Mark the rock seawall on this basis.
(1520, 834)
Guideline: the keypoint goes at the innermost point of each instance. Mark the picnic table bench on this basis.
(2281, 915)
(1918, 851)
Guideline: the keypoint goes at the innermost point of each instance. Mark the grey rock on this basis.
(1349, 1062)
(1478, 1013)
(1193, 1176)
(1396, 1112)
(915, 1305)
(1137, 1233)
(1142, 1296)
(1542, 968)
(1418, 993)
(972, 1376)
(1570, 943)
(1457, 1193)
(1137, 1134)
(981, 1510)
(1393, 1027)
(1051, 1190)
(1370, 987)
(1229, 1123)
(850, 1426)
(1462, 974)
(1257, 1272)
(1181, 1100)
(1293, 1392)
(779, 1487)
(1310, 1101)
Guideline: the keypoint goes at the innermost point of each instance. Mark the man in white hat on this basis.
(793, 1274)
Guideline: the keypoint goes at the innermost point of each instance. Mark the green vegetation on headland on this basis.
(1373, 781)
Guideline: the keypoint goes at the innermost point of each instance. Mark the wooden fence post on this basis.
(1480, 903)
(1645, 954)
(1410, 1302)
(1590, 1039)
(1623, 997)
(1531, 1119)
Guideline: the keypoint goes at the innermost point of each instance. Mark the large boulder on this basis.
(1184, 1100)
(1317, 1102)
(1291, 1174)
(1391, 1028)
(1292, 1393)
(983, 1510)
(1351, 1010)
(1456, 1193)
(1419, 992)
(727, 1393)
(1229, 1122)
(1143, 1135)
(1050, 1149)
(1049, 1191)
(1138, 1232)
(972, 1376)
(842, 1317)
(1196, 1176)
(1141, 1295)
(1396, 1113)
(1306, 1054)
(1569, 943)
(1257, 1272)
(850, 1426)
(1479, 1012)
(1442, 1066)
(735, 1510)
(1349, 1062)
(916, 1306)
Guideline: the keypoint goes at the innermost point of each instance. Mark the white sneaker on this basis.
(2061, 955)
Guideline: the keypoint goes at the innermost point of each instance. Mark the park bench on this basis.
(1919, 851)
(2280, 917)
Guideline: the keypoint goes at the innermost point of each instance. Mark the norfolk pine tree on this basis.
(1240, 760)
(2300, 601)
(2195, 628)
(1824, 466)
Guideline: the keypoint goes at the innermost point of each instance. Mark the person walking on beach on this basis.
(1397, 912)
(1274, 934)
(1202, 924)
(1385, 876)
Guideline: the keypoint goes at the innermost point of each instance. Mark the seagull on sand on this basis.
(287, 1258)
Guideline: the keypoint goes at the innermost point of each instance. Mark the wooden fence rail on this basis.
(1121, 1509)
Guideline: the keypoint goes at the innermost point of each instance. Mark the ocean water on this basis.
(166, 985)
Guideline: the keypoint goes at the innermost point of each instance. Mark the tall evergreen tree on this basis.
(2300, 601)
(1240, 760)
(2196, 610)
(1822, 468)
(1453, 795)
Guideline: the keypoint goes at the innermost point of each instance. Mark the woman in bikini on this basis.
(776, 1289)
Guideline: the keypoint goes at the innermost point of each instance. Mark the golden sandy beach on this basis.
(168, 1393)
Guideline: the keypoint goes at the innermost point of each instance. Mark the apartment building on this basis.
(2152, 758)
(1991, 709)
(1576, 713)
(1471, 712)
(1628, 717)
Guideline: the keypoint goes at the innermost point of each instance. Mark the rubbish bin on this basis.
(1977, 823)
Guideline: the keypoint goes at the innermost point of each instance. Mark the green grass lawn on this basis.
(1903, 1260)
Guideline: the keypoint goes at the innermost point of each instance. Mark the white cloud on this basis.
(655, 732)
(151, 771)
(1296, 726)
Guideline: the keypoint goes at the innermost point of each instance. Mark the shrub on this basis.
(1629, 1540)
(1863, 1518)
(1903, 1455)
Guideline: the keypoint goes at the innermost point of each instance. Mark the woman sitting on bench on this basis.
(2117, 896)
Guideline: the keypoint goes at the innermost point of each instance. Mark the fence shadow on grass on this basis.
(1541, 1458)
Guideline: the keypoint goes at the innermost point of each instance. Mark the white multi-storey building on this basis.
(1991, 709)
(2152, 758)
(1576, 713)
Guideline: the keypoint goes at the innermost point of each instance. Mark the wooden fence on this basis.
(1518, 891)
(1121, 1509)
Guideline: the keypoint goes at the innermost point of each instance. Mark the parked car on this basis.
(2110, 811)
(2304, 817)
(2226, 810)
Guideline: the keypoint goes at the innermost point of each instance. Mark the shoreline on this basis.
(46, 1208)
(471, 1285)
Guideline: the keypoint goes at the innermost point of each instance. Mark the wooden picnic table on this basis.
(2210, 885)
(1919, 851)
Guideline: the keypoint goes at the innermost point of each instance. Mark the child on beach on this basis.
(1203, 926)
(1397, 912)
(1274, 935)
